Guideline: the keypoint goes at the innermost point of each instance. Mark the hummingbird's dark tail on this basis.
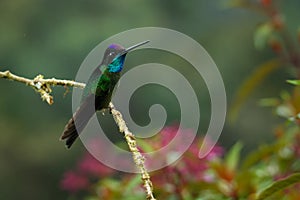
(70, 133)
(79, 120)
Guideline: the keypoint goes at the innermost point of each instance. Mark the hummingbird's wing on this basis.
(92, 83)
(79, 120)
(89, 103)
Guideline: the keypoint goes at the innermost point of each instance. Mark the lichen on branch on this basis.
(41, 85)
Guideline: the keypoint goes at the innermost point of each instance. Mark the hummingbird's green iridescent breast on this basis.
(107, 82)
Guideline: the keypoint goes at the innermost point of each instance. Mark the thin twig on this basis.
(43, 86)
(138, 158)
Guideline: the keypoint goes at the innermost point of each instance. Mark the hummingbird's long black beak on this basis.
(134, 46)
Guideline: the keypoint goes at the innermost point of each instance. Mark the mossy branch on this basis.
(138, 158)
(43, 87)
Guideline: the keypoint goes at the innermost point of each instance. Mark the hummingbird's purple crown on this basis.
(115, 46)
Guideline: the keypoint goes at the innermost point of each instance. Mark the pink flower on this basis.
(167, 135)
(73, 182)
(189, 167)
(89, 165)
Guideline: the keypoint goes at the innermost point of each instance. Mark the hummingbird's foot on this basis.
(104, 110)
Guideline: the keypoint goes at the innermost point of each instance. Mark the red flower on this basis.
(73, 182)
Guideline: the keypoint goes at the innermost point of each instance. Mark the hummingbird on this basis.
(98, 91)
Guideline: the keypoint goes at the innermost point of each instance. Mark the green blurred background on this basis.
(53, 38)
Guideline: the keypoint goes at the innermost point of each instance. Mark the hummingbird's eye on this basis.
(111, 53)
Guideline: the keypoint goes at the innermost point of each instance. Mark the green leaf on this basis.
(262, 35)
(233, 157)
(294, 82)
(145, 146)
(134, 182)
(263, 152)
(279, 186)
(231, 4)
(249, 85)
(112, 184)
(269, 102)
(236, 4)
(91, 198)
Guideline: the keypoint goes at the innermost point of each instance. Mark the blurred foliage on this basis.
(53, 37)
(253, 81)
(272, 171)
